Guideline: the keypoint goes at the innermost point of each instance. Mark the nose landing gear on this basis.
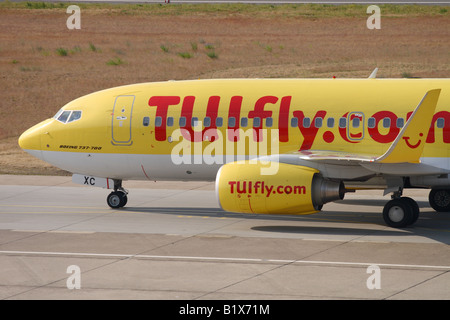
(118, 198)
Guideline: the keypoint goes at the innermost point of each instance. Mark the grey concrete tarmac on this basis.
(172, 241)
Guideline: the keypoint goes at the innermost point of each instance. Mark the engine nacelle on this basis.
(240, 187)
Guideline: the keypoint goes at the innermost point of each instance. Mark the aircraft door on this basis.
(355, 128)
(121, 120)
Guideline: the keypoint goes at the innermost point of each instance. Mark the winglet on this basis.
(373, 75)
(409, 144)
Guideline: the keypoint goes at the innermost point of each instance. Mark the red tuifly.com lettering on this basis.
(288, 119)
(260, 187)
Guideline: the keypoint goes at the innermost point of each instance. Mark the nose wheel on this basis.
(118, 198)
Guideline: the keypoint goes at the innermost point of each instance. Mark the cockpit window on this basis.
(66, 116)
(75, 116)
(56, 116)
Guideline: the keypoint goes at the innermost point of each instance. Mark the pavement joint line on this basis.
(48, 206)
(223, 259)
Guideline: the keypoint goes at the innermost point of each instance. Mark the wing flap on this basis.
(323, 155)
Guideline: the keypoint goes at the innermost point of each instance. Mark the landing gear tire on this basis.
(440, 200)
(400, 212)
(415, 210)
(117, 199)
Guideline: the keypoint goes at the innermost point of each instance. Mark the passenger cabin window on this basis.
(219, 122)
(306, 122)
(400, 123)
(318, 122)
(146, 121)
(440, 123)
(158, 122)
(269, 122)
(294, 122)
(330, 122)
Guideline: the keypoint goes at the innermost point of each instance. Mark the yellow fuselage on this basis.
(219, 117)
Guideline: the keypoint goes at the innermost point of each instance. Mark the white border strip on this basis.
(250, 260)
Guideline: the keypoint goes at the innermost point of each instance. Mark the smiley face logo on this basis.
(413, 146)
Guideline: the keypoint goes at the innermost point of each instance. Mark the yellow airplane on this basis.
(273, 146)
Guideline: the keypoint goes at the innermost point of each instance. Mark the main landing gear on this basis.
(401, 212)
(118, 198)
(440, 199)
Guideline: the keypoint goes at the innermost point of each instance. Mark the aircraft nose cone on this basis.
(30, 140)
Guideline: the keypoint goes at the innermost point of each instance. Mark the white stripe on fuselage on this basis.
(132, 166)
(162, 167)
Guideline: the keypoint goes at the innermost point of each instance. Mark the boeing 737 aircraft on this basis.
(273, 146)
